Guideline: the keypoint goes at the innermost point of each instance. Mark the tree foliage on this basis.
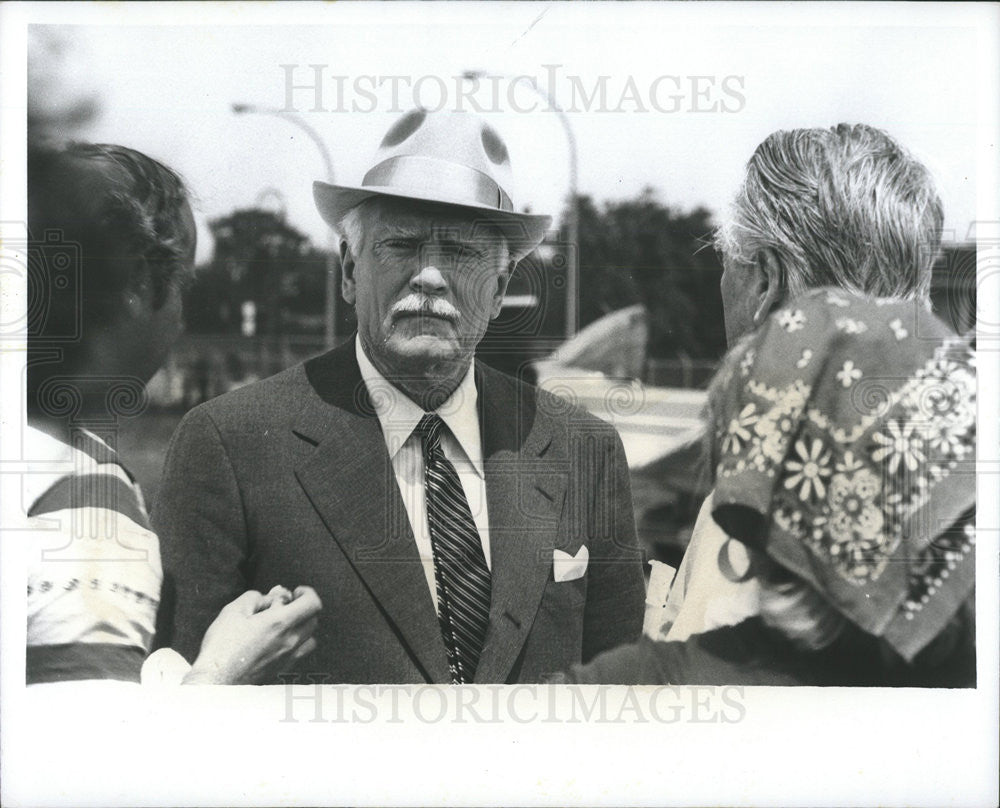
(259, 257)
(631, 251)
(641, 251)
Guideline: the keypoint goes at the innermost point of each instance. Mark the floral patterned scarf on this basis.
(845, 450)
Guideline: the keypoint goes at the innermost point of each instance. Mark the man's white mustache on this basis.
(418, 304)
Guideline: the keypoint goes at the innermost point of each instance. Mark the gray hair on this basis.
(350, 227)
(845, 206)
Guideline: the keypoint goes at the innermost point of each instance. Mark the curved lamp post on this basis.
(572, 216)
(330, 318)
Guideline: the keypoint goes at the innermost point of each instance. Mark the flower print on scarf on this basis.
(738, 433)
(848, 374)
(901, 445)
(809, 470)
(851, 326)
(854, 511)
(791, 320)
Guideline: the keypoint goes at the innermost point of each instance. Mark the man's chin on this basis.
(423, 348)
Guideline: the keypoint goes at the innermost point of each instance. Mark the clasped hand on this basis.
(256, 635)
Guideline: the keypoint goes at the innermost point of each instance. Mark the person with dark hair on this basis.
(127, 220)
(843, 443)
(846, 207)
(113, 239)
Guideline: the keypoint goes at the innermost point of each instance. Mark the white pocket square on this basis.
(568, 568)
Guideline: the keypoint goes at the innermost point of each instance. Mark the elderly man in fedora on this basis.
(458, 525)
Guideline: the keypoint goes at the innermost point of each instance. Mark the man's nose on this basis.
(429, 281)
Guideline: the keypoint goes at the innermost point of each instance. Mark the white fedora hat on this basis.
(451, 158)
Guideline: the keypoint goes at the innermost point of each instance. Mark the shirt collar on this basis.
(49, 460)
(399, 415)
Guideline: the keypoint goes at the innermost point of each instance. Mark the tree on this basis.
(256, 247)
(640, 251)
(259, 257)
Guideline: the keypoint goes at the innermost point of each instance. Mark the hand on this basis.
(257, 635)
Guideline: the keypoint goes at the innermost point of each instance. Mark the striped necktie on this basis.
(460, 572)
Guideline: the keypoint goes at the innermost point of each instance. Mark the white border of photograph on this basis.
(91, 745)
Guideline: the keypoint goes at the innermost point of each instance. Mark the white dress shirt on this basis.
(461, 443)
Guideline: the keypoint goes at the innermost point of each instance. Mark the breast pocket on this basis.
(570, 595)
(561, 612)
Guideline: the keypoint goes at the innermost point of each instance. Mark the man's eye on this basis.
(397, 243)
(463, 252)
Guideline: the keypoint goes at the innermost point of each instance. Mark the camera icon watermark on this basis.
(50, 266)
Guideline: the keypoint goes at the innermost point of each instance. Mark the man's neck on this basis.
(427, 384)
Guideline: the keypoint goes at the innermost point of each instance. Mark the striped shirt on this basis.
(93, 563)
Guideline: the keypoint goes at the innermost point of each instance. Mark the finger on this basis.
(304, 649)
(293, 616)
(279, 594)
(307, 628)
(306, 604)
(298, 634)
(247, 604)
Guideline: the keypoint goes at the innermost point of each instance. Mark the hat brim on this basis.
(523, 231)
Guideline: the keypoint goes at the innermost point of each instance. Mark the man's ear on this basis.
(769, 286)
(503, 279)
(137, 298)
(346, 273)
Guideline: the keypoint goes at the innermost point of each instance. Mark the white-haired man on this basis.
(458, 525)
(845, 206)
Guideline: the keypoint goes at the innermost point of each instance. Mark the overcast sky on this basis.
(673, 97)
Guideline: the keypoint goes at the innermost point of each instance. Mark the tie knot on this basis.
(429, 429)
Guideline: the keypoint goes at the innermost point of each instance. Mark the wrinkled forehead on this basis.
(383, 217)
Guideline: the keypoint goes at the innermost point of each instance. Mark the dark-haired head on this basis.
(111, 242)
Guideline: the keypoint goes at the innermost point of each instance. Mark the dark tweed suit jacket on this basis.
(288, 481)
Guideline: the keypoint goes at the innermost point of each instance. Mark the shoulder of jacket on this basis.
(275, 396)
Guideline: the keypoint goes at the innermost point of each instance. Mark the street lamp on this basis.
(572, 216)
(330, 318)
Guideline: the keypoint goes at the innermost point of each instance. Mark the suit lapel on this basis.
(525, 489)
(350, 482)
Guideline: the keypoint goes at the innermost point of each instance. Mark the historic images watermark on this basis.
(518, 704)
(319, 88)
